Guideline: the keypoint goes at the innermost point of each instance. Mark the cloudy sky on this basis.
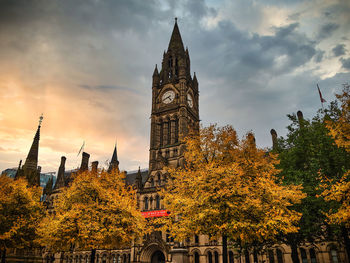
(87, 65)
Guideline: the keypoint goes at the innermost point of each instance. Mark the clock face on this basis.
(189, 100)
(168, 96)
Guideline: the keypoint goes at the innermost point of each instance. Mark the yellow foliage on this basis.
(340, 191)
(228, 187)
(20, 212)
(95, 211)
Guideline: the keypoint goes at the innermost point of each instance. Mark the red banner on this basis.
(155, 213)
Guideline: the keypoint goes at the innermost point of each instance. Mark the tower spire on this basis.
(30, 170)
(114, 164)
(175, 43)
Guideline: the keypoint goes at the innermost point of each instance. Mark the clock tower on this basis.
(174, 107)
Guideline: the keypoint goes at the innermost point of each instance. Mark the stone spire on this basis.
(176, 43)
(60, 175)
(32, 158)
(84, 162)
(48, 187)
(30, 169)
(139, 179)
(114, 164)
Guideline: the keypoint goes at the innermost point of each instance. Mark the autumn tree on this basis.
(305, 153)
(20, 213)
(228, 188)
(338, 189)
(98, 210)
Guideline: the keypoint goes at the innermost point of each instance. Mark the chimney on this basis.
(274, 139)
(84, 162)
(94, 166)
(251, 138)
(300, 118)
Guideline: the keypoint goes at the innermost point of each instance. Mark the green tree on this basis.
(228, 188)
(98, 210)
(307, 151)
(338, 190)
(20, 213)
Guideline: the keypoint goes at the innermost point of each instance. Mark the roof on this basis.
(131, 176)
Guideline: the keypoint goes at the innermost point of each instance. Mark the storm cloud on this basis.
(87, 65)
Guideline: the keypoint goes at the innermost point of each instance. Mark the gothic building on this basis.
(174, 113)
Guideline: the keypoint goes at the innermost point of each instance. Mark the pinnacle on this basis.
(175, 43)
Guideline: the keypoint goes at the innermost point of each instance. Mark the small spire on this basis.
(114, 164)
(155, 72)
(195, 77)
(176, 40)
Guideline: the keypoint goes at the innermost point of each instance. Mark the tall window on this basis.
(303, 255)
(161, 134)
(231, 257)
(271, 256)
(210, 259)
(151, 203)
(196, 239)
(176, 130)
(216, 257)
(159, 179)
(247, 257)
(152, 182)
(334, 255)
(313, 255)
(255, 254)
(146, 203)
(196, 257)
(114, 259)
(279, 255)
(169, 132)
(157, 202)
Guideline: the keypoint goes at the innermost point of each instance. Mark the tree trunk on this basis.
(295, 257)
(224, 248)
(345, 234)
(3, 256)
(93, 253)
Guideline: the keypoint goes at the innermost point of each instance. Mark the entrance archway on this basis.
(158, 257)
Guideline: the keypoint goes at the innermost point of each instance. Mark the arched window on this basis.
(151, 203)
(157, 202)
(216, 257)
(210, 258)
(312, 255)
(279, 255)
(247, 257)
(128, 258)
(303, 255)
(334, 255)
(255, 255)
(196, 257)
(159, 179)
(196, 239)
(146, 203)
(231, 258)
(271, 256)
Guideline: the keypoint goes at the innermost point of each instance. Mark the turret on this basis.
(114, 164)
(139, 179)
(84, 162)
(274, 139)
(300, 118)
(60, 174)
(30, 169)
(94, 167)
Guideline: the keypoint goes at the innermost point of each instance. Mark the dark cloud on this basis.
(339, 50)
(345, 63)
(327, 30)
(319, 56)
